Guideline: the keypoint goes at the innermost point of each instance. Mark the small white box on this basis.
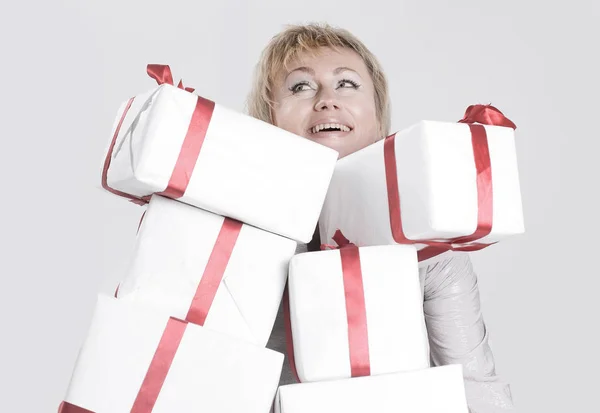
(393, 303)
(176, 247)
(434, 390)
(246, 169)
(437, 186)
(210, 372)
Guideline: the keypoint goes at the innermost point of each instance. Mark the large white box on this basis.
(210, 372)
(433, 390)
(246, 169)
(437, 186)
(181, 252)
(393, 304)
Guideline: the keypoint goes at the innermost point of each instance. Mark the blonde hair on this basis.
(297, 39)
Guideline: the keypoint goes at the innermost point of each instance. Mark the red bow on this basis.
(162, 74)
(340, 240)
(486, 115)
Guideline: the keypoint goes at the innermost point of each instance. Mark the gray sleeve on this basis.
(458, 335)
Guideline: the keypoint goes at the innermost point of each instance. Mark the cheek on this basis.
(365, 115)
(288, 116)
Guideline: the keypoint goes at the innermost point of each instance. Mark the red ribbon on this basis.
(190, 149)
(66, 407)
(214, 271)
(486, 115)
(159, 366)
(356, 312)
(132, 198)
(358, 336)
(156, 374)
(169, 343)
(340, 240)
(483, 114)
(201, 303)
(162, 74)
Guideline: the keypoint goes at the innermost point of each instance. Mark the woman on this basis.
(323, 84)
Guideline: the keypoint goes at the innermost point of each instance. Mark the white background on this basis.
(67, 65)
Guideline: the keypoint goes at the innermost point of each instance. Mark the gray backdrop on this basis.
(67, 65)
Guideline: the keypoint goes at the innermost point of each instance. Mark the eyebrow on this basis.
(343, 69)
(312, 72)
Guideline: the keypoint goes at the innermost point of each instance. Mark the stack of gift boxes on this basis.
(356, 309)
(228, 199)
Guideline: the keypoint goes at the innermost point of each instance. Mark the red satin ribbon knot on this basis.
(340, 240)
(482, 115)
(486, 115)
(162, 74)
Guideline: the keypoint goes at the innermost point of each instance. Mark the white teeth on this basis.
(322, 126)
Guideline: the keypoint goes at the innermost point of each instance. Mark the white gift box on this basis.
(181, 252)
(396, 334)
(246, 169)
(437, 186)
(121, 361)
(434, 390)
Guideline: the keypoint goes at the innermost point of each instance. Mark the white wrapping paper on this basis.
(437, 186)
(209, 373)
(434, 390)
(174, 245)
(247, 169)
(397, 335)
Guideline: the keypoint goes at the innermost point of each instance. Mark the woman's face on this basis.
(328, 98)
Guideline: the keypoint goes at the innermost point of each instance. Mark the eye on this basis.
(345, 83)
(300, 87)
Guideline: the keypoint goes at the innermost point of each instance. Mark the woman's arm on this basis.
(458, 335)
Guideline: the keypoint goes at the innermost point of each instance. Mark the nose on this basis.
(327, 100)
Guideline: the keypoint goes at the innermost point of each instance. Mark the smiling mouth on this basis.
(330, 127)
